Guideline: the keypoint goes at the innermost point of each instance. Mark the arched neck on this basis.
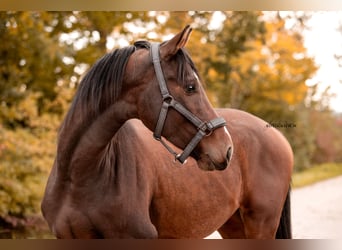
(82, 143)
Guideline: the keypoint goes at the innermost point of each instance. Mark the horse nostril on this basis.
(229, 153)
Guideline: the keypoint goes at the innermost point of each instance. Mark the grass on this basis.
(316, 173)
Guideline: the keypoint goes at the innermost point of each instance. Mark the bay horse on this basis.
(112, 179)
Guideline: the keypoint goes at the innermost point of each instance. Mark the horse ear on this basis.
(170, 48)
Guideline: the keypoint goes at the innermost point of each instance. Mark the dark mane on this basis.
(101, 85)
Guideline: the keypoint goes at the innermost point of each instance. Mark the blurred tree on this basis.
(25, 160)
(219, 37)
(33, 64)
(327, 128)
(43, 50)
(31, 61)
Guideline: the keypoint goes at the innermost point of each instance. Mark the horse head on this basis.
(162, 82)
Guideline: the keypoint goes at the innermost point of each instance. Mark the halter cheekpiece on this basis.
(204, 128)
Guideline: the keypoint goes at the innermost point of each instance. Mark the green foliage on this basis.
(25, 159)
(31, 63)
(316, 173)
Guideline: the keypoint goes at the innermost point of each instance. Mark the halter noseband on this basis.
(204, 128)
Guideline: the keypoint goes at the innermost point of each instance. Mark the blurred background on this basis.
(281, 66)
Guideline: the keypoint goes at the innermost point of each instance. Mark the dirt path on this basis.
(316, 211)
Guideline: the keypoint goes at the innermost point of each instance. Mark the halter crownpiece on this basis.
(204, 128)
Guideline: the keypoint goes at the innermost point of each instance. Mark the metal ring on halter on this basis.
(168, 99)
(209, 134)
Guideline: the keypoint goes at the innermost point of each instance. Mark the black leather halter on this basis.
(204, 128)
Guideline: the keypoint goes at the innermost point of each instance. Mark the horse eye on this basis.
(190, 88)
